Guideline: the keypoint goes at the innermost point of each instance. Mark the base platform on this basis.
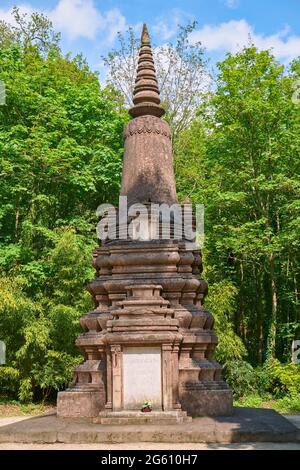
(245, 425)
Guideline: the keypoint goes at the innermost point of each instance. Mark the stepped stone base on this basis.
(245, 425)
(137, 417)
(85, 404)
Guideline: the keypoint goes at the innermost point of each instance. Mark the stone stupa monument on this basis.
(149, 337)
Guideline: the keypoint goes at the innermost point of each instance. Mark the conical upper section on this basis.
(148, 174)
(146, 94)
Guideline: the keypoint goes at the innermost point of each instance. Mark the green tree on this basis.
(35, 29)
(60, 157)
(247, 154)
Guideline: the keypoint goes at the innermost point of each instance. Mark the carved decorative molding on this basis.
(147, 124)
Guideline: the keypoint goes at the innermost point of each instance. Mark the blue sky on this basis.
(91, 26)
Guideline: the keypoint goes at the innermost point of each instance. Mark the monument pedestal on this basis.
(147, 342)
(142, 343)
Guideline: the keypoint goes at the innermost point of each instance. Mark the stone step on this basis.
(138, 417)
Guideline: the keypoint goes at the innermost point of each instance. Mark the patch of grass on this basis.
(252, 401)
(285, 405)
(15, 408)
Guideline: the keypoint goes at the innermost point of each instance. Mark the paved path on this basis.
(12, 419)
(295, 419)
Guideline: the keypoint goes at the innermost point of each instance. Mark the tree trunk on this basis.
(259, 313)
(274, 301)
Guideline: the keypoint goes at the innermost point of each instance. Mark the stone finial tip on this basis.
(145, 38)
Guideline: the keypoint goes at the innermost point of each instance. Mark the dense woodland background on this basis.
(236, 138)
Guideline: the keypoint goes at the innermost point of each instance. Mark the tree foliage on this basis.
(35, 29)
(245, 147)
(60, 156)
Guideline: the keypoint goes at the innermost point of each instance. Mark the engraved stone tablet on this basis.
(141, 377)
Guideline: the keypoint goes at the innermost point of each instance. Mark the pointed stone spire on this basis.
(145, 38)
(148, 173)
(146, 93)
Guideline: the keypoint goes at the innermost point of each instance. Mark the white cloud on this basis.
(6, 15)
(235, 34)
(81, 18)
(232, 3)
(166, 28)
(78, 19)
(115, 22)
(162, 29)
